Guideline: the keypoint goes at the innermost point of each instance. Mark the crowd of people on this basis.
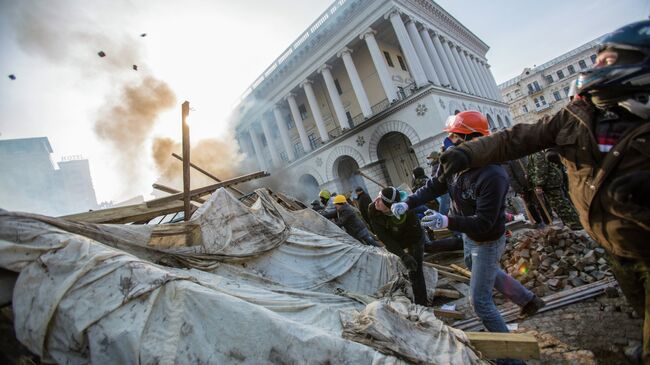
(587, 167)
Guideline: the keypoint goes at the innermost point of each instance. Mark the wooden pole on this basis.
(167, 189)
(175, 155)
(186, 160)
(371, 179)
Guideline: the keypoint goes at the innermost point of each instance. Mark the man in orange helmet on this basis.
(478, 211)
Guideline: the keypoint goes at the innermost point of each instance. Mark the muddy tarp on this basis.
(277, 293)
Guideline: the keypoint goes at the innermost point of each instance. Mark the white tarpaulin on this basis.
(275, 286)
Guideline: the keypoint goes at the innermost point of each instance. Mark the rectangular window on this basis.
(560, 74)
(571, 69)
(297, 148)
(338, 86)
(536, 86)
(349, 116)
(536, 102)
(303, 111)
(582, 64)
(566, 91)
(549, 79)
(401, 62)
(284, 156)
(593, 58)
(312, 141)
(389, 60)
(541, 99)
(556, 95)
(525, 108)
(289, 119)
(530, 87)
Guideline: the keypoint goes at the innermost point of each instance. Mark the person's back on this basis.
(364, 201)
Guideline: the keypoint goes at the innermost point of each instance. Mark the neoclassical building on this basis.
(544, 89)
(367, 87)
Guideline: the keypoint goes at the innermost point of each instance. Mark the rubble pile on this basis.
(554, 259)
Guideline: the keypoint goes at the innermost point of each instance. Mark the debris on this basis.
(143, 35)
(448, 307)
(12, 77)
(135, 67)
(495, 345)
(101, 54)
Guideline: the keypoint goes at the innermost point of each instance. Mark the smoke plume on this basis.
(216, 156)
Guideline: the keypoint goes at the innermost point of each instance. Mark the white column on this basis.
(446, 61)
(434, 57)
(407, 47)
(258, 149)
(481, 81)
(459, 63)
(485, 71)
(275, 157)
(454, 65)
(297, 120)
(339, 110)
(315, 110)
(481, 73)
(357, 85)
(284, 133)
(472, 80)
(421, 52)
(380, 65)
(494, 83)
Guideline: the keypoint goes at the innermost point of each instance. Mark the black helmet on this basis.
(418, 172)
(629, 75)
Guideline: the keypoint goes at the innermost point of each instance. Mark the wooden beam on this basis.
(448, 272)
(371, 179)
(186, 162)
(446, 313)
(522, 346)
(461, 270)
(446, 293)
(204, 172)
(167, 189)
(207, 189)
(128, 214)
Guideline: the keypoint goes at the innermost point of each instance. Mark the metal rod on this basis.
(186, 160)
(371, 179)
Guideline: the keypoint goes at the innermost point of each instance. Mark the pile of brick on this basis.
(554, 259)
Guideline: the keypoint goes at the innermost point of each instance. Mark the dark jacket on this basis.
(396, 234)
(518, 175)
(620, 229)
(364, 202)
(477, 201)
(347, 218)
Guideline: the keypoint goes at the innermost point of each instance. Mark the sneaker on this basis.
(532, 307)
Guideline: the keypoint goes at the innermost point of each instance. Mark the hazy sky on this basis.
(209, 52)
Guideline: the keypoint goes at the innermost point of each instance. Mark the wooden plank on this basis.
(175, 235)
(461, 270)
(445, 313)
(445, 271)
(522, 346)
(128, 214)
(207, 189)
(204, 172)
(446, 293)
(167, 189)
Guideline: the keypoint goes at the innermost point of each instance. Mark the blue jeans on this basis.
(444, 204)
(483, 260)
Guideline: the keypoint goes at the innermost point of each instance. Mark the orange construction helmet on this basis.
(467, 122)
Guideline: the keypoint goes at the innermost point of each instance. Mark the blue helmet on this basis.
(629, 75)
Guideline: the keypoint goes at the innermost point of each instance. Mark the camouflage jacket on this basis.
(542, 173)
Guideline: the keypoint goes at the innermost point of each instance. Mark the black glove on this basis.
(452, 161)
(410, 263)
(631, 188)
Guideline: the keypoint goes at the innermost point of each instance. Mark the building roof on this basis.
(23, 143)
(551, 63)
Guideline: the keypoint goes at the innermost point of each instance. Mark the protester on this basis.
(363, 201)
(345, 216)
(603, 137)
(478, 211)
(400, 235)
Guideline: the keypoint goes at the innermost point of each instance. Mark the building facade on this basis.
(31, 182)
(367, 87)
(544, 90)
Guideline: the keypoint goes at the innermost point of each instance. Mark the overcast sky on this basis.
(209, 52)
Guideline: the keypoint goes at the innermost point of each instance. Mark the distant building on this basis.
(544, 90)
(366, 87)
(31, 182)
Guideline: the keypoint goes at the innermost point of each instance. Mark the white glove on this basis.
(399, 209)
(637, 108)
(434, 220)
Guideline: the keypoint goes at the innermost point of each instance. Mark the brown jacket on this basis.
(622, 230)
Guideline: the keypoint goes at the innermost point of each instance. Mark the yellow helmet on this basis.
(325, 194)
(340, 199)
